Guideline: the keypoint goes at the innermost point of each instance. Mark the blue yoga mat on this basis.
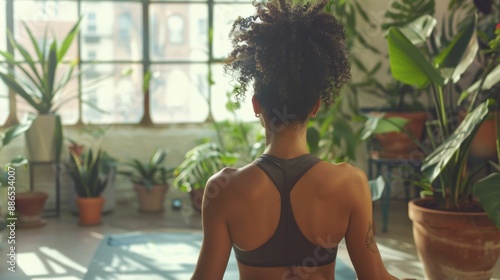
(152, 256)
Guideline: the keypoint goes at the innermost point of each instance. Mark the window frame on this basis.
(147, 62)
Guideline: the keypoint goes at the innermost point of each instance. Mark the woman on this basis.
(285, 213)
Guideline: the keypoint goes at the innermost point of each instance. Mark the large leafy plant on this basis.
(445, 167)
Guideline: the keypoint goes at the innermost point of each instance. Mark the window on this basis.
(91, 23)
(124, 27)
(175, 24)
(4, 101)
(113, 57)
(91, 55)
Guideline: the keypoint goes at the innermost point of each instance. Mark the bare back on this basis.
(241, 207)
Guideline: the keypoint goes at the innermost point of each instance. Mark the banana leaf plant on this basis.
(149, 173)
(445, 166)
(85, 170)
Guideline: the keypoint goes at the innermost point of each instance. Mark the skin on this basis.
(243, 206)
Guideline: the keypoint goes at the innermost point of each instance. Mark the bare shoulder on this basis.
(220, 180)
(350, 178)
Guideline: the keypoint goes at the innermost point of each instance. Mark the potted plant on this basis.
(92, 137)
(199, 165)
(89, 182)
(150, 181)
(29, 205)
(38, 81)
(453, 235)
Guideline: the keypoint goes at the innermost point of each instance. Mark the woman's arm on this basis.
(216, 246)
(359, 237)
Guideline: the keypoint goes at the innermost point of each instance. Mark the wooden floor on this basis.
(64, 250)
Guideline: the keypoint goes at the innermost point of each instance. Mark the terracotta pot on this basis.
(151, 200)
(454, 245)
(196, 198)
(29, 207)
(90, 210)
(397, 145)
(484, 142)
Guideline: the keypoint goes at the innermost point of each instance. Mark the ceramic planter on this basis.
(90, 210)
(454, 245)
(29, 207)
(41, 139)
(400, 145)
(151, 201)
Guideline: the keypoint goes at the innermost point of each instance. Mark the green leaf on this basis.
(419, 30)
(380, 124)
(491, 80)
(403, 12)
(377, 187)
(487, 190)
(68, 40)
(11, 82)
(51, 76)
(407, 62)
(459, 55)
(14, 131)
(437, 161)
(34, 42)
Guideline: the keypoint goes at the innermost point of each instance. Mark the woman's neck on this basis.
(288, 142)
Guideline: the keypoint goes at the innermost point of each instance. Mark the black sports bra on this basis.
(287, 246)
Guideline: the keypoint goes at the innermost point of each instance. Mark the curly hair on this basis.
(293, 54)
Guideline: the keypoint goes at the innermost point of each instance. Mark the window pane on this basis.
(65, 102)
(178, 32)
(179, 93)
(115, 89)
(222, 94)
(224, 16)
(3, 27)
(111, 31)
(57, 16)
(4, 100)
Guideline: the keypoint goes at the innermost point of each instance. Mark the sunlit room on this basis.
(232, 139)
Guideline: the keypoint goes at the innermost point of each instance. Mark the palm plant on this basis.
(35, 79)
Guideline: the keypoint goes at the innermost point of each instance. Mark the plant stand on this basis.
(57, 209)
